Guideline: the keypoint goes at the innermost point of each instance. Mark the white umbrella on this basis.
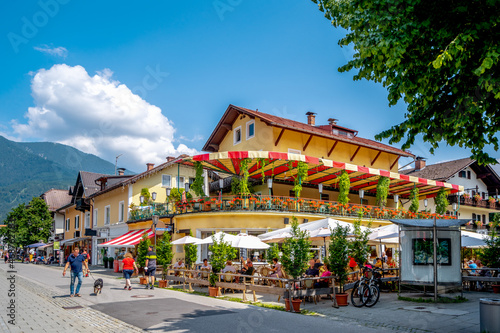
(387, 231)
(244, 241)
(218, 236)
(186, 240)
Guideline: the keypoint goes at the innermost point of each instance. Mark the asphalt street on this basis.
(161, 310)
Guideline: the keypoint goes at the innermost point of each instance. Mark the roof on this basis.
(88, 181)
(232, 113)
(56, 198)
(440, 171)
(430, 223)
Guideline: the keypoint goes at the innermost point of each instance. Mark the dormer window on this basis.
(237, 135)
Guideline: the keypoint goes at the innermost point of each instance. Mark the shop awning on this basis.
(283, 166)
(130, 239)
(45, 246)
(73, 240)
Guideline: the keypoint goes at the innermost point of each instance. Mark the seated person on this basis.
(311, 271)
(368, 265)
(324, 283)
(177, 265)
(472, 265)
(352, 263)
(229, 268)
(317, 264)
(249, 270)
(206, 266)
(244, 265)
(276, 271)
(378, 263)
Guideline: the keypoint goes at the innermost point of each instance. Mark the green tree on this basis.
(296, 251)
(441, 58)
(358, 246)
(197, 185)
(344, 185)
(383, 190)
(441, 201)
(414, 200)
(190, 253)
(220, 252)
(13, 233)
(142, 250)
(273, 252)
(164, 253)
(338, 253)
(490, 255)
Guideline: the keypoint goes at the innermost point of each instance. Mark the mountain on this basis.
(28, 169)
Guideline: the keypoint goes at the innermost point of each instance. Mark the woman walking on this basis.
(129, 267)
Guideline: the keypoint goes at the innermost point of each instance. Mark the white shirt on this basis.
(209, 267)
(229, 269)
(176, 265)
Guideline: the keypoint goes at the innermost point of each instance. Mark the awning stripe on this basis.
(132, 237)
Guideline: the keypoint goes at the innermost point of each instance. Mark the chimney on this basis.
(419, 163)
(311, 118)
(170, 158)
(332, 121)
(150, 166)
(121, 171)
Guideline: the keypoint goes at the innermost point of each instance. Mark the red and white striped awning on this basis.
(130, 239)
(282, 166)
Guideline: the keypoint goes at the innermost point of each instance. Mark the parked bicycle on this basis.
(366, 291)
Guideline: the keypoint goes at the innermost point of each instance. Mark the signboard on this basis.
(57, 245)
(164, 229)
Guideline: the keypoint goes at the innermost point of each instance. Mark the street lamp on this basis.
(186, 187)
(141, 198)
(153, 196)
(454, 206)
(361, 195)
(425, 204)
(396, 200)
(320, 189)
(155, 222)
(167, 190)
(270, 185)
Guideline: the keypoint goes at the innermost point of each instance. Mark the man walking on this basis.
(76, 261)
(150, 267)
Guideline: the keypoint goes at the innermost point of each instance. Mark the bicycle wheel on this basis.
(360, 294)
(374, 296)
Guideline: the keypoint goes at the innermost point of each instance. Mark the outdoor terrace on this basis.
(266, 203)
(465, 200)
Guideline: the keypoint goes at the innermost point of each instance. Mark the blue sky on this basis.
(185, 62)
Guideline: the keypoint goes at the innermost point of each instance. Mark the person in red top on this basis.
(352, 263)
(129, 267)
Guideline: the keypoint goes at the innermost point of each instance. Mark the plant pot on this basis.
(287, 304)
(296, 305)
(213, 291)
(341, 299)
(143, 280)
(496, 288)
(162, 284)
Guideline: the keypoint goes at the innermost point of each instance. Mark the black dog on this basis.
(98, 283)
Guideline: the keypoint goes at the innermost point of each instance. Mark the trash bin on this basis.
(489, 312)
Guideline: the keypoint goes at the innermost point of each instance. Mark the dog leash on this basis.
(92, 275)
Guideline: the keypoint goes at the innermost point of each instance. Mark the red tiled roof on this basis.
(219, 132)
(440, 171)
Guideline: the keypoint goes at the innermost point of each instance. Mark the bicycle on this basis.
(374, 284)
(361, 291)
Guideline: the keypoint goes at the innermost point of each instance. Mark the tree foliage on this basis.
(441, 201)
(490, 255)
(338, 253)
(273, 252)
(382, 190)
(28, 224)
(164, 253)
(358, 246)
(197, 185)
(190, 253)
(344, 185)
(441, 58)
(142, 250)
(414, 200)
(296, 251)
(221, 250)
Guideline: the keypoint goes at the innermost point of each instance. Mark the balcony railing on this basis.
(260, 203)
(471, 201)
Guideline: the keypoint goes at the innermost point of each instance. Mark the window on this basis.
(94, 218)
(191, 181)
(87, 220)
(77, 222)
(325, 197)
(237, 135)
(107, 215)
(484, 219)
(468, 175)
(462, 174)
(364, 201)
(68, 221)
(121, 211)
(483, 195)
(291, 193)
(294, 151)
(166, 181)
(180, 182)
(250, 129)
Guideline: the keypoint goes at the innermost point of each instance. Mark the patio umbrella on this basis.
(186, 240)
(218, 236)
(244, 241)
(387, 231)
(36, 245)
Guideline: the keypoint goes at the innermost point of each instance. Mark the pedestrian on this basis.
(150, 267)
(129, 267)
(76, 261)
(85, 254)
(6, 258)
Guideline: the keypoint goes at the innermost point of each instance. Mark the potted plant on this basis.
(296, 254)
(164, 256)
(105, 261)
(220, 253)
(190, 253)
(338, 259)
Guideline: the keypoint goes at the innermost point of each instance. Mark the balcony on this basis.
(265, 203)
(474, 202)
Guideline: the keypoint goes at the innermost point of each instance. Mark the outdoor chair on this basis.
(309, 284)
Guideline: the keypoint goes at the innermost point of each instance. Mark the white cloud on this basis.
(54, 51)
(98, 115)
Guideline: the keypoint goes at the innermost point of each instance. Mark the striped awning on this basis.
(283, 166)
(130, 239)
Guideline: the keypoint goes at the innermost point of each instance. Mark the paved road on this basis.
(42, 294)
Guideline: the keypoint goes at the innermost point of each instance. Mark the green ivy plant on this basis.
(197, 185)
(147, 196)
(296, 251)
(262, 163)
(344, 185)
(382, 190)
(414, 200)
(441, 201)
(300, 177)
(245, 174)
(338, 253)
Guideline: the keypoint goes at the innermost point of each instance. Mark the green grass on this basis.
(458, 299)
